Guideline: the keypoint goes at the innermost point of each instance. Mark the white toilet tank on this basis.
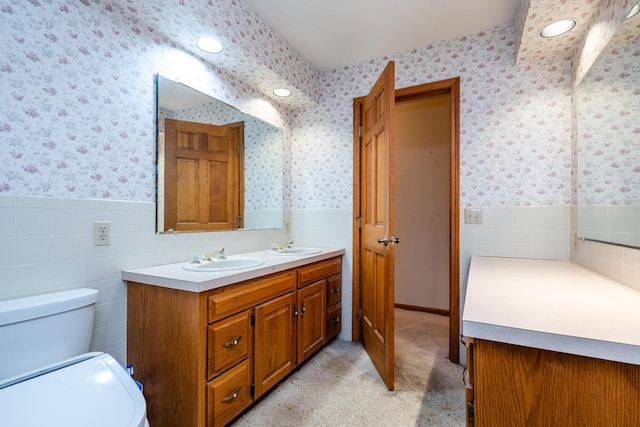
(41, 330)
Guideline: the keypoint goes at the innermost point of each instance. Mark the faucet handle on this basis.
(220, 253)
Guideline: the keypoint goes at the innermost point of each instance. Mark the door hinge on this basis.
(253, 319)
(360, 131)
(252, 389)
(238, 149)
(359, 219)
(470, 412)
(359, 315)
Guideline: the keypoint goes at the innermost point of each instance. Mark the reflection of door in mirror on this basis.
(203, 176)
(262, 158)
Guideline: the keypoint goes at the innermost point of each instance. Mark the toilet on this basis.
(47, 375)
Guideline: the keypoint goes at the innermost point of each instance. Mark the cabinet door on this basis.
(274, 338)
(312, 305)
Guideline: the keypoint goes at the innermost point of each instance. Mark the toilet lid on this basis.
(95, 392)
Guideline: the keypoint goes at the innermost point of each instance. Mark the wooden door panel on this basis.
(376, 209)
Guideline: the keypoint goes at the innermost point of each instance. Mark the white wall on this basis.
(422, 202)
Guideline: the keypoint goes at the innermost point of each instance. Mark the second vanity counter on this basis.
(174, 276)
(552, 305)
(549, 343)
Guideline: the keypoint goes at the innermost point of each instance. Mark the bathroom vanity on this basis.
(550, 343)
(206, 345)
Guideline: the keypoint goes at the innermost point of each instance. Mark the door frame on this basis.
(451, 87)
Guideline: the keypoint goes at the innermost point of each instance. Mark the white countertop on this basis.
(174, 276)
(553, 305)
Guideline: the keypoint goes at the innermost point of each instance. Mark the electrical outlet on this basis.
(473, 215)
(101, 233)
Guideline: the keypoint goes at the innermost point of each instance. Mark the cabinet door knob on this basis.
(302, 309)
(336, 320)
(232, 397)
(232, 343)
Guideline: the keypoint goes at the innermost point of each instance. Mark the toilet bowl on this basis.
(47, 375)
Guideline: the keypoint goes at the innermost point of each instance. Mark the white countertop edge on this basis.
(175, 277)
(617, 352)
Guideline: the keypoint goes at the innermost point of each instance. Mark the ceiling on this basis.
(334, 33)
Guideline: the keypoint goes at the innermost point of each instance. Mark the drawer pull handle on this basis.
(302, 309)
(232, 343)
(335, 290)
(232, 397)
(336, 320)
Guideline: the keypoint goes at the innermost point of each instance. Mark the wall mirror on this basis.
(608, 105)
(261, 165)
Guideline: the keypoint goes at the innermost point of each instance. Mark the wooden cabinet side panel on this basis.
(522, 386)
(311, 319)
(165, 346)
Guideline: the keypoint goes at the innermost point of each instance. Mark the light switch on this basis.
(473, 215)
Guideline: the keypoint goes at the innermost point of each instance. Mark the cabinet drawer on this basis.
(228, 342)
(334, 289)
(334, 321)
(229, 394)
(319, 270)
(252, 292)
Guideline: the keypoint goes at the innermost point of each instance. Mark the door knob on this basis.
(384, 240)
(388, 240)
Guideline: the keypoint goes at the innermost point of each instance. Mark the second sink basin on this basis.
(295, 251)
(230, 263)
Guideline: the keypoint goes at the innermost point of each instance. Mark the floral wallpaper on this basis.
(608, 128)
(78, 121)
(515, 123)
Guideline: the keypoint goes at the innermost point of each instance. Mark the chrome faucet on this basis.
(219, 254)
(283, 246)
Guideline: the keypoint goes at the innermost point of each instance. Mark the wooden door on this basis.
(377, 234)
(274, 335)
(203, 176)
(312, 306)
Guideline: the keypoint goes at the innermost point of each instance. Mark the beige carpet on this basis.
(340, 387)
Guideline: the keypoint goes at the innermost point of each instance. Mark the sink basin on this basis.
(230, 263)
(295, 251)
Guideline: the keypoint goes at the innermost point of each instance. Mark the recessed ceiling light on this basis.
(209, 45)
(282, 92)
(557, 28)
(634, 11)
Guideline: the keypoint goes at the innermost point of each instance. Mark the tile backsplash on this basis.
(46, 245)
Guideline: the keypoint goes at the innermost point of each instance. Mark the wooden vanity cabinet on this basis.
(511, 385)
(206, 357)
